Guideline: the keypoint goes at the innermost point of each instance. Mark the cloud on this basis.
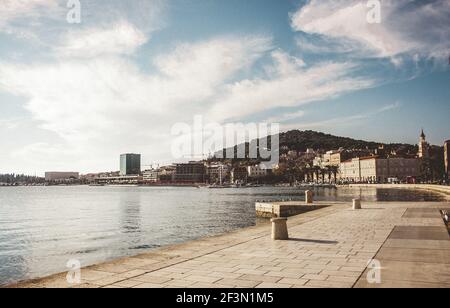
(106, 105)
(23, 19)
(44, 22)
(317, 44)
(351, 120)
(285, 117)
(206, 65)
(390, 107)
(293, 86)
(120, 38)
(11, 10)
(407, 27)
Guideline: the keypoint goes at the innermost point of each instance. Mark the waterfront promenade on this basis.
(329, 247)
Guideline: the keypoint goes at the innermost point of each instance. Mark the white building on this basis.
(151, 176)
(61, 176)
(256, 171)
(379, 170)
(218, 173)
(330, 158)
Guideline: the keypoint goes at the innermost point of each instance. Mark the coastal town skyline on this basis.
(330, 160)
(81, 94)
(148, 164)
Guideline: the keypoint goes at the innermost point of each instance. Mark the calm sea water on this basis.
(41, 228)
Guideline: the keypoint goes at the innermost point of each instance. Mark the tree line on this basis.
(20, 178)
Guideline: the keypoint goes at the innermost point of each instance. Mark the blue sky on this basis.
(75, 96)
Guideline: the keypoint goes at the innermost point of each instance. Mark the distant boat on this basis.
(253, 185)
(219, 186)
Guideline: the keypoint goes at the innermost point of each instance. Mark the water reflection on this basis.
(130, 219)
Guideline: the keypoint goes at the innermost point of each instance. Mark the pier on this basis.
(331, 247)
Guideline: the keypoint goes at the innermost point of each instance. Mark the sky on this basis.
(74, 96)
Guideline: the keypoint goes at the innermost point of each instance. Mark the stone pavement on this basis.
(330, 247)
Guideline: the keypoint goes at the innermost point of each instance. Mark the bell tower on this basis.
(423, 146)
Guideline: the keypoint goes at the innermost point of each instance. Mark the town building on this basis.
(119, 180)
(329, 159)
(256, 171)
(218, 173)
(151, 176)
(167, 173)
(447, 158)
(61, 176)
(423, 146)
(192, 172)
(379, 170)
(130, 164)
(239, 175)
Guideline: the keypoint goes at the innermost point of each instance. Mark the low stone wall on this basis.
(288, 209)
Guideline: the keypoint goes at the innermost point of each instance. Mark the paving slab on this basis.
(422, 213)
(409, 272)
(420, 233)
(414, 255)
(418, 244)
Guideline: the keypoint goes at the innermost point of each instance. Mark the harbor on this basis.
(332, 246)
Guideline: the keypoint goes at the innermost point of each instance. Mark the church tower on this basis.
(423, 146)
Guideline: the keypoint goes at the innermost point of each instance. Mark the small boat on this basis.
(219, 186)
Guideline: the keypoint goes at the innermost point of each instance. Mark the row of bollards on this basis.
(279, 225)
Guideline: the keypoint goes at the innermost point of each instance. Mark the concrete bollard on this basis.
(356, 204)
(279, 229)
(309, 197)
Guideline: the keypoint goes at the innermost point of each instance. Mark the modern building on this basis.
(379, 170)
(61, 176)
(193, 172)
(447, 158)
(423, 146)
(130, 164)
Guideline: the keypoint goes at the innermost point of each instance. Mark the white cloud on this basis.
(390, 107)
(407, 27)
(44, 23)
(200, 68)
(13, 9)
(119, 38)
(339, 122)
(102, 106)
(285, 117)
(294, 87)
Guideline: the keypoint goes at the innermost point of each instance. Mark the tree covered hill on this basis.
(297, 140)
(303, 140)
